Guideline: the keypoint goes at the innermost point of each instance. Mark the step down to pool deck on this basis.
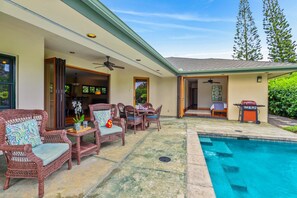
(222, 149)
(205, 141)
(229, 164)
(236, 182)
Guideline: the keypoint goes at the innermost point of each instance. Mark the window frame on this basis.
(11, 83)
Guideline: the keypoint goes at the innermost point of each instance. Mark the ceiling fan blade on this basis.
(100, 66)
(119, 67)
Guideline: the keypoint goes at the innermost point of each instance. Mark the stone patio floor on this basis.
(134, 170)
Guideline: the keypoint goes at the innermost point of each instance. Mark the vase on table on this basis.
(77, 126)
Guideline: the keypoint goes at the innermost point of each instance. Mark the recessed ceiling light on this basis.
(157, 70)
(71, 52)
(4, 62)
(91, 35)
(138, 59)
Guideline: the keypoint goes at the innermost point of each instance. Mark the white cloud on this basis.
(187, 37)
(176, 26)
(182, 17)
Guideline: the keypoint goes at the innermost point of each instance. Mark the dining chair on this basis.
(147, 105)
(133, 117)
(121, 108)
(154, 117)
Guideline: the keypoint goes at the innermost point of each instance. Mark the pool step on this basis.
(236, 182)
(205, 141)
(222, 181)
(229, 164)
(222, 149)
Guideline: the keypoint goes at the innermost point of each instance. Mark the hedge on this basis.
(283, 96)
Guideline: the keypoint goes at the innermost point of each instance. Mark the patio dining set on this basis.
(32, 151)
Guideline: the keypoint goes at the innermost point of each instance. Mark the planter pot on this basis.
(77, 126)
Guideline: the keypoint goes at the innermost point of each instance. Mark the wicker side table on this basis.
(81, 148)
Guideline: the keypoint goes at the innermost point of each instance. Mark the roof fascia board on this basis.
(102, 16)
(251, 70)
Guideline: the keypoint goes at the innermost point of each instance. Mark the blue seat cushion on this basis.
(152, 116)
(134, 118)
(48, 152)
(107, 131)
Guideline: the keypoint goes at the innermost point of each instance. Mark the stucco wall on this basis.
(28, 48)
(245, 87)
(162, 91)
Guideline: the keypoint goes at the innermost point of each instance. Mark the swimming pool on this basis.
(251, 168)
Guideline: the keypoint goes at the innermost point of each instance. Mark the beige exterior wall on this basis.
(245, 87)
(28, 48)
(162, 91)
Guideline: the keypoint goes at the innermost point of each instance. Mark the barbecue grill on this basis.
(248, 111)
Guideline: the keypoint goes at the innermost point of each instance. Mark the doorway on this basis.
(141, 90)
(86, 87)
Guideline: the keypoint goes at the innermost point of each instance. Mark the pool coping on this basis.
(198, 179)
(251, 137)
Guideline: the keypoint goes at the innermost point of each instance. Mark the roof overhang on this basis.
(103, 17)
(279, 70)
(60, 19)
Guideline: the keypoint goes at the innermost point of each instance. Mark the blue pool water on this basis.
(250, 168)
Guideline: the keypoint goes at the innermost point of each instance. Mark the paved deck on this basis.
(281, 122)
(135, 171)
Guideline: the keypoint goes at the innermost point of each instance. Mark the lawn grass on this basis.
(291, 128)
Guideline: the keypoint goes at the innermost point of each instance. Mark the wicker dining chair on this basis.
(107, 134)
(154, 117)
(25, 161)
(121, 108)
(133, 117)
(147, 105)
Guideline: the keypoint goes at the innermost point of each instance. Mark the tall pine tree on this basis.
(279, 38)
(247, 44)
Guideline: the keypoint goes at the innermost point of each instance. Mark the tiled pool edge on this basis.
(198, 179)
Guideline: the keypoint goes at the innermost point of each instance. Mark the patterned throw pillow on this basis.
(102, 117)
(23, 133)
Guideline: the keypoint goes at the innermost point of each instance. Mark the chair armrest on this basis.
(23, 151)
(119, 122)
(56, 136)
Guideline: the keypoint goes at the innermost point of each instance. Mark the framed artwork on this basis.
(67, 89)
(85, 89)
(91, 89)
(216, 93)
(103, 90)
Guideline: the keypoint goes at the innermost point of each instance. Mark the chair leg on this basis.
(69, 163)
(134, 128)
(158, 125)
(6, 185)
(123, 139)
(40, 187)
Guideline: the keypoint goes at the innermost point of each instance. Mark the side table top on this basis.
(81, 132)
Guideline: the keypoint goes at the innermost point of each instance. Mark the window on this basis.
(141, 90)
(7, 82)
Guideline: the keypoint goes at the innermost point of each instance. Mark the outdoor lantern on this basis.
(259, 79)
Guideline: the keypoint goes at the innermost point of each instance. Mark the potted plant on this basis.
(79, 117)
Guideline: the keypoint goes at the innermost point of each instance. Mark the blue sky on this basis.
(193, 28)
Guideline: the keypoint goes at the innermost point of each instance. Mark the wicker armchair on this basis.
(22, 160)
(154, 117)
(108, 134)
(133, 117)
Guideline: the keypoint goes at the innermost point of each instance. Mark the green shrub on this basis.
(291, 128)
(282, 93)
